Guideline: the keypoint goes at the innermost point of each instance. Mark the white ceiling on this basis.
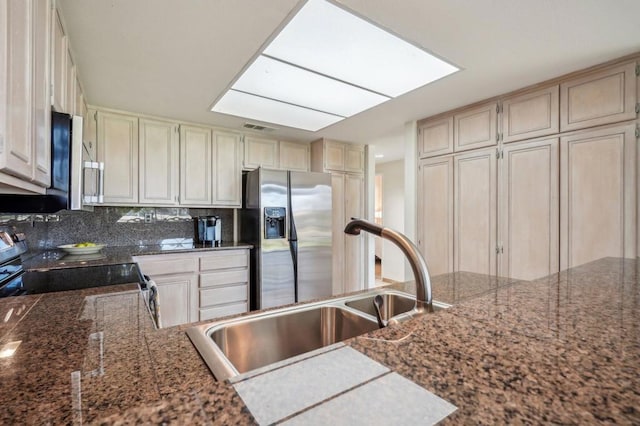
(173, 58)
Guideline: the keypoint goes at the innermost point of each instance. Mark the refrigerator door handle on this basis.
(293, 239)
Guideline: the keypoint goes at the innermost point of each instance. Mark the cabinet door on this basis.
(475, 127)
(334, 156)
(354, 244)
(260, 153)
(602, 97)
(227, 179)
(294, 156)
(178, 298)
(475, 209)
(195, 166)
(158, 165)
(435, 213)
(118, 149)
(354, 158)
(70, 84)
(41, 96)
(90, 133)
(17, 154)
(597, 195)
(58, 63)
(435, 137)
(529, 209)
(338, 223)
(531, 115)
(80, 107)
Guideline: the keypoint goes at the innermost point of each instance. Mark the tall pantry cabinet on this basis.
(346, 164)
(535, 181)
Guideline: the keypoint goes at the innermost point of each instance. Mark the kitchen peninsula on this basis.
(561, 349)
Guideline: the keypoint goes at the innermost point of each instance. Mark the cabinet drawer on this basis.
(166, 265)
(222, 311)
(224, 260)
(213, 279)
(223, 295)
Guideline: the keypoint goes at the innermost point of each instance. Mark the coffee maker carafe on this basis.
(208, 230)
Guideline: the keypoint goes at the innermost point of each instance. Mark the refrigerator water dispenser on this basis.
(274, 222)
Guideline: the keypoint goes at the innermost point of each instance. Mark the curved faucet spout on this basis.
(424, 302)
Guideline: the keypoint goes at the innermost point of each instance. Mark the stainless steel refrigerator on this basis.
(286, 215)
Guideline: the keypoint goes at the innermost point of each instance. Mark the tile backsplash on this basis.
(114, 226)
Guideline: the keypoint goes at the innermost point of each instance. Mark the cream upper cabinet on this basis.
(294, 156)
(118, 149)
(435, 213)
(435, 137)
(260, 153)
(69, 105)
(475, 187)
(334, 156)
(227, 173)
(41, 97)
(475, 127)
(354, 245)
(16, 155)
(529, 209)
(195, 166)
(531, 115)
(354, 158)
(90, 133)
(600, 97)
(58, 63)
(598, 195)
(158, 162)
(80, 107)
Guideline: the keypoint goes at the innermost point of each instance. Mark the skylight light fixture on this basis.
(326, 65)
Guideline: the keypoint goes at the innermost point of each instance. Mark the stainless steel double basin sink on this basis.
(238, 345)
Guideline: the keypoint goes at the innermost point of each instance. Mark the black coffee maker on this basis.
(208, 230)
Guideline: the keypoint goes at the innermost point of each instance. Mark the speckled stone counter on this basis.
(113, 255)
(563, 350)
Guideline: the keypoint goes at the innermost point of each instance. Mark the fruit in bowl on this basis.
(87, 244)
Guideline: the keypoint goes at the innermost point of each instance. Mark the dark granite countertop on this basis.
(564, 349)
(114, 255)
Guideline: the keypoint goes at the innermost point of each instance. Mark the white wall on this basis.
(393, 261)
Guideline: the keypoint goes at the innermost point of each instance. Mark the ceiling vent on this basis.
(258, 127)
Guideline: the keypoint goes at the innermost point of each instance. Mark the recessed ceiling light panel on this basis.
(263, 109)
(325, 65)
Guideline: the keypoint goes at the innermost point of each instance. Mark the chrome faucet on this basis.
(417, 262)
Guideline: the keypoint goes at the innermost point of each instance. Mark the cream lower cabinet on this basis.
(529, 209)
(458, 212)
(199, 286)
(598, 195)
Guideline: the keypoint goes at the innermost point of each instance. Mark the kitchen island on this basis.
(562, 349)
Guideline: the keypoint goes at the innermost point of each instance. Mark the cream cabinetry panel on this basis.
(531, 115)
(58, 63)
(80, 107)
(69, 105)
(118, 149)
(475, 127)
(601, 97)
(338, 223)
(90, 133)
(475, 177)
(158, 162)
(198, 286)
(354, 246)
(354, 158)
(260, 153)
(16, 155)
(529, 209)
(435, 137)
(196, 186)
(294, 156)
(227, 173)
(598, 195)
(334, 156)
(41, 97)
(435, 213)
